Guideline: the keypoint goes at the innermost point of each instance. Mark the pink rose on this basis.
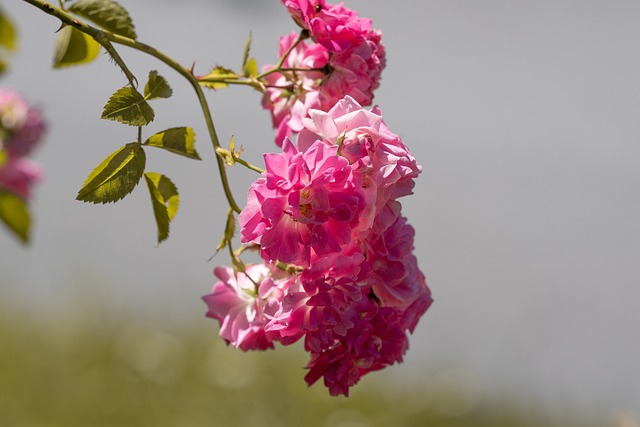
(379, 158)
(306, 204)
(348, 329)
(244, 304)
(355, 72)
(376, 340)
(303, 10)
(333, 26)
(345, 57)
(329, 205)
(395, 277)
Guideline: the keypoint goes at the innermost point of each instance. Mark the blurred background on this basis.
(524, 116)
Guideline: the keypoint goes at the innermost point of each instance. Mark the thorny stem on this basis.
(256, 81)
(105, 37)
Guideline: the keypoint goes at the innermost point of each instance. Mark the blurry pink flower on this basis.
(13, 111)
(21, 125)
(306, 204)
(19, 174)
(21, 128)
(244, 303)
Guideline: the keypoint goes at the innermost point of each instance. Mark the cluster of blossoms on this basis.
(338, 267)
(21, 128)
(337, 53)
(327, 208)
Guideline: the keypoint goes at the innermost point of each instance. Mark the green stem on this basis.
(283, 58)
(231, 81)
(256, 81)
(100, 36)
(102, 39)
(248, 165)
(302, 70)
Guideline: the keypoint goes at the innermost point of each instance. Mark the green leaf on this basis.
(157, 87)
(229, 231)
(179, 140)
(247, 49)
(107, 14)
(165, 200)
(15, 214)
(251, 68)
(8, 37)
(215, 79)
(115, 177)
(129, 107)
(73, 47)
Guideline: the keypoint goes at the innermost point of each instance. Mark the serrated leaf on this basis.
(215, 79)
(73, 47)
(129, 107)
(179, 140)
(247, 49)
(115, 177)
(165, 201)
(107, 14)
(8, 37)
(15, 214)
(251, 68)
(157, 87)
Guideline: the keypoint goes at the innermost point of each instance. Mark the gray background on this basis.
(524, 115)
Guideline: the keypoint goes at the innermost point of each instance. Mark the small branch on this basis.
(116, 57)
(248, 165)
(105, 38)
(302, 36)
(303, 70)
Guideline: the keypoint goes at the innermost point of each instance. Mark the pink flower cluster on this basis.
(339, 269)
(343, 57)
(21, 128)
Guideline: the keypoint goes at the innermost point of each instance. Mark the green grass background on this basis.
(94, 365)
